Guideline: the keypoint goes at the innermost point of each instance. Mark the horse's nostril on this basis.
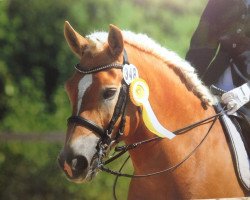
(73, 166)
(79, 163)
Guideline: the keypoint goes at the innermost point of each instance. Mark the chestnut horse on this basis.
(178, 99)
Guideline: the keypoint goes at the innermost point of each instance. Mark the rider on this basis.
(220, 52)
(238, 49)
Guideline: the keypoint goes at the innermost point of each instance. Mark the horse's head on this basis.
(98, 97)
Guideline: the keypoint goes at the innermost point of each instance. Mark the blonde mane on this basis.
(182, 68)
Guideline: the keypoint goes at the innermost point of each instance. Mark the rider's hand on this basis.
(236, 98)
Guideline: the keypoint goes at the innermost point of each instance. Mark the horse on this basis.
(178, 98)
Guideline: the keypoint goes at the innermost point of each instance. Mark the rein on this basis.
(125, 148)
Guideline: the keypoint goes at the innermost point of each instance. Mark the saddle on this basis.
(241, 119)
(236, 130)
(242, 123)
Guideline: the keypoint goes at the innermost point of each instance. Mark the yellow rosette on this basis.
(139, 94)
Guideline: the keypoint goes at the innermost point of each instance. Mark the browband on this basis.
(98, 69)
(101, 68)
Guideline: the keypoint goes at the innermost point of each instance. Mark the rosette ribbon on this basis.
(139, 94)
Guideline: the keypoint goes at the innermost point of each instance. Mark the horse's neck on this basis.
(170, 99)
(174, 107)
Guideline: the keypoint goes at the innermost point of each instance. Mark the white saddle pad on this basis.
(239, 152)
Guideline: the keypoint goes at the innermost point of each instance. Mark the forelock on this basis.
(97, 41)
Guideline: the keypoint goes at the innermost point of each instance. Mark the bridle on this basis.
(106, 141)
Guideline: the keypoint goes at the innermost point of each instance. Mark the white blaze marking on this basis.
(83, 85)
(85, 145)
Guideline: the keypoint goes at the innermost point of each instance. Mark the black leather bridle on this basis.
(106, 141)
(105, 134)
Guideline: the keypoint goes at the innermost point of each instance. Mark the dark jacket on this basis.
(220, 18)
(238, 48)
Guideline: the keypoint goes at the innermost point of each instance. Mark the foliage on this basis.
(35, 61)
(31, 172)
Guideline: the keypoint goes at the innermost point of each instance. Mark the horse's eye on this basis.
(109, 93)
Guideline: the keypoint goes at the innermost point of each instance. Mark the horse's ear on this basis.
(115, 40)
(74, 39)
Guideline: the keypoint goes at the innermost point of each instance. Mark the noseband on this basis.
(119, 111)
